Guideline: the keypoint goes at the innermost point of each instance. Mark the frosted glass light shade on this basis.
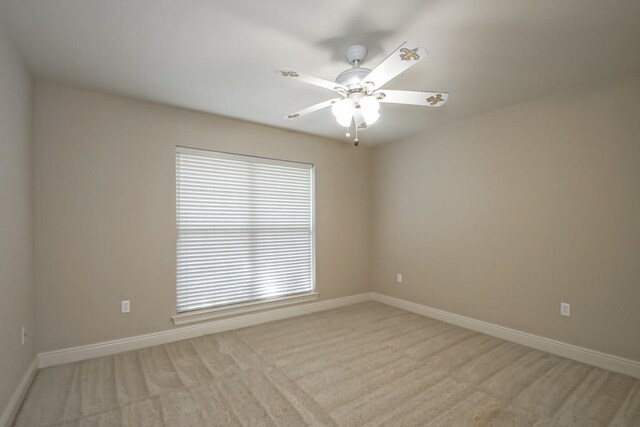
(369, 106)
(370, 117)
(343, 112)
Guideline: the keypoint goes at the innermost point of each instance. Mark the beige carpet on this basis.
(367, 364)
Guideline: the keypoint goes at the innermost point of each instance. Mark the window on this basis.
(244, 229)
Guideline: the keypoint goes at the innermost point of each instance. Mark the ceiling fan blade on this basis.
(297, 75)
(312, 109)
(429, 99)
(402, 59)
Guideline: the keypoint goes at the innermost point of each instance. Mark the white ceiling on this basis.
(220, 56)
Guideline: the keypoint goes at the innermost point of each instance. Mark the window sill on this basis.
(247, 307)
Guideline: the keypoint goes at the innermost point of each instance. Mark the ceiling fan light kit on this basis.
(360, 89)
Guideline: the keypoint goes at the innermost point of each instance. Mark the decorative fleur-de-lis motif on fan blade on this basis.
(409, 54)
(362, 126)
(293, 116)
(289, 74)
(433, 100)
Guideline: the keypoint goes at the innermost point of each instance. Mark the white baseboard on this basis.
(68, 355)
(580, 354)
(11, 410)
(584, 355)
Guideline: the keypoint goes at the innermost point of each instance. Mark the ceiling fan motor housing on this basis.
(355, 55)
(352, 76)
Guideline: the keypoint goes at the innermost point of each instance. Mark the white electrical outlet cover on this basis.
(399, 277)
(565, 309)
(125, 306)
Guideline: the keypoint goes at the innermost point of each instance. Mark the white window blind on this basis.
(244, 229)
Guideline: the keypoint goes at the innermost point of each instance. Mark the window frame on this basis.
(184, 317)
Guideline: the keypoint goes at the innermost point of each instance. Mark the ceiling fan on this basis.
(360, 89)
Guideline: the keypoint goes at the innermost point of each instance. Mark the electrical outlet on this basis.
(565, 309)
(399, 277)
(24, 334)
(125, 306)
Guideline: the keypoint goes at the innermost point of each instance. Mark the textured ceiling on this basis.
(220, 56)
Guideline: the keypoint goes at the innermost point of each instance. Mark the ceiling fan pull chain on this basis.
(356, 141)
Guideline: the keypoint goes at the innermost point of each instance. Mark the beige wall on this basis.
(499, 217)
(105, 209)
(503, 216)
(17, 299)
